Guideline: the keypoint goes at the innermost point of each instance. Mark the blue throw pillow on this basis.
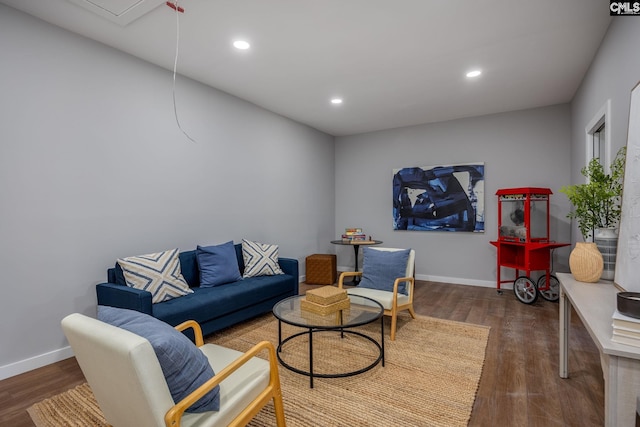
(218, 264)
(381, 268)
(184, 366)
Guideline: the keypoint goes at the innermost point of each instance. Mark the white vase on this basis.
(607, 241)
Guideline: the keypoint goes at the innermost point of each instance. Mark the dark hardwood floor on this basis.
(520, 385)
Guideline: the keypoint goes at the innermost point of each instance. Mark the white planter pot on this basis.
(607, 241)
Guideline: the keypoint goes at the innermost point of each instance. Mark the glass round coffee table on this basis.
(362, 311)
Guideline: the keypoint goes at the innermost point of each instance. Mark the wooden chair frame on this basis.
(395, 307)
(272, 392)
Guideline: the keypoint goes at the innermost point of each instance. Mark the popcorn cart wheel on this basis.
(527, 291)
(551, 291)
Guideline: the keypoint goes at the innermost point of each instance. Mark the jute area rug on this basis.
(430, 378)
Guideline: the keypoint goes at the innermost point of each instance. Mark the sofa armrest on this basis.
(290, 266)
(121, 296)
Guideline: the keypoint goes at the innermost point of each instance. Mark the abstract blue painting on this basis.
(439, 198)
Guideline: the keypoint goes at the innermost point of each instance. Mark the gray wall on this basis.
(614, 72)
(93, 167)
(527, 148)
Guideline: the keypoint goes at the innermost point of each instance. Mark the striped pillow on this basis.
(260, 259)
(158, 273)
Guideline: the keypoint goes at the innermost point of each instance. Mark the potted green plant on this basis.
(597, 206)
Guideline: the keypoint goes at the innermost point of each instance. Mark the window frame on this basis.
(601, 118)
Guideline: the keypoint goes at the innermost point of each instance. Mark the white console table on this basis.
(595, 303)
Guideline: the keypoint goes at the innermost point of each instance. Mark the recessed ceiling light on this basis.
(241, 44)
(336, 101)
(474, 73)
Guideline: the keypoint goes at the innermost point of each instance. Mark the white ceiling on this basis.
(395, 62)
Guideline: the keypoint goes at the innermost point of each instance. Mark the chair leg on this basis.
(394, 321)
(411, 312)
(278, 404)
(279, 409)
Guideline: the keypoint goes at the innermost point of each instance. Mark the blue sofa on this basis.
(215, 308)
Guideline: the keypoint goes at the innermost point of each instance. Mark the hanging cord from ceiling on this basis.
(178, 10)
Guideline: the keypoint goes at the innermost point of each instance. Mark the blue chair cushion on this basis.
(218, 264)
(184, 366)
(381, 268)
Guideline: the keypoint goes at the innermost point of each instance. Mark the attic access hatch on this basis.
(121, 12)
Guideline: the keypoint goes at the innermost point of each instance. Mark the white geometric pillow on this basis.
(260, 259)
(158, 273)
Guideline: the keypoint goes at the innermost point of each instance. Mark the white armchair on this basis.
(391, 299)
(128, 383)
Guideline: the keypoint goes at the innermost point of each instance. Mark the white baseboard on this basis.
(26, 365)
(457, 281)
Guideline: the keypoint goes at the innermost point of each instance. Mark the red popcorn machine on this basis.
(523, 242)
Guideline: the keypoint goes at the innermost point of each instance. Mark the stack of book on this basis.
(325, 300)
(353, 234)
(626, 329)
